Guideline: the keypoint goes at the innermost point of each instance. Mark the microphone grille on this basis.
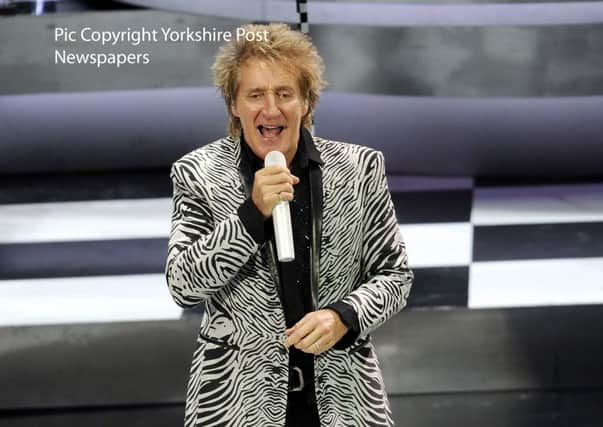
(275, 158)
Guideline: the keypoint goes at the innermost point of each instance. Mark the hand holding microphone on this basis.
(272, 192)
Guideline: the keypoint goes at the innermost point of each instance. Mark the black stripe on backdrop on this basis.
(86, 258)
(433, 206)
(534, 181)
(440, 286)
(37, 188)
(411, 206)
(437, 286)
(537, 241)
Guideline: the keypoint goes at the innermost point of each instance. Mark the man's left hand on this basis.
(316, 332)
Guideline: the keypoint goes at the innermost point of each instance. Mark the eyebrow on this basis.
(263, 89)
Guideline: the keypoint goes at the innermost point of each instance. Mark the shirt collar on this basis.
(306, 151)
(311, 150)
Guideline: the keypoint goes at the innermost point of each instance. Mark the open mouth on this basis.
(270, 131)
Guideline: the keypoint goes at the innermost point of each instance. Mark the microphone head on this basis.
(275, 158)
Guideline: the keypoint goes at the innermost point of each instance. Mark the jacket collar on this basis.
(306, 152)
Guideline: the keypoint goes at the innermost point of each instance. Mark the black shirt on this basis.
(295, 276)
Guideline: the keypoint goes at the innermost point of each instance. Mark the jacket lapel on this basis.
(316, 210)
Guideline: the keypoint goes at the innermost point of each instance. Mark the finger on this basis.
(270, 185)
(302, 329)
(272, 199)
(275, 172)
(271, 170)
(299, 323)
(307, 343)
(284, 187)
(319, 346)
(273, 180)
(296, 336)
(274, 194)
(281, 197)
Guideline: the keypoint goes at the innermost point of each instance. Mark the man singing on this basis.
(283, 343)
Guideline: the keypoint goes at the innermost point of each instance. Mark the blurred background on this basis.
(490, 116)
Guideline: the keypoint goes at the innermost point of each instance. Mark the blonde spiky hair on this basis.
(284, 46)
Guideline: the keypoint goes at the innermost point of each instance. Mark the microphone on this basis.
(281, 216)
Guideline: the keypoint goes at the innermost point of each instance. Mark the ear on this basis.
(234, 110)
(306, 107)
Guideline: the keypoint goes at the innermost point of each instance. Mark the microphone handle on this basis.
(281, 218)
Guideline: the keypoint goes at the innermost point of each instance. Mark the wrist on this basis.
(339, 323)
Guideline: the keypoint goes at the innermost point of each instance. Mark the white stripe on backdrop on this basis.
(86, 299)
(90, 220)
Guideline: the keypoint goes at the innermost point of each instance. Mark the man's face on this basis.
(270, 107)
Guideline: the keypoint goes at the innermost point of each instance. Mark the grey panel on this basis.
(466, 136)
(109, 130)
(517, 409)
(33, 7)
(576, 408)
(421, 351)
(95, 364)
(390, 13)
(520, 61)
(126, 416)
(451, 1)
(465, 350)
(27, 53)
(407, 183)
(447, 136)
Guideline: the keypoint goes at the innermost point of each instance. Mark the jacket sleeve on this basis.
(386, 279)
(203, 255)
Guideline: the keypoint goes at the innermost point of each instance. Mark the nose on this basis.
(270, 108)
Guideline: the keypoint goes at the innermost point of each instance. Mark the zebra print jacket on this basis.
(239, 373)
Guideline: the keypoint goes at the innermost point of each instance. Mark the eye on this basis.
(284, 94)
(255, 95)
